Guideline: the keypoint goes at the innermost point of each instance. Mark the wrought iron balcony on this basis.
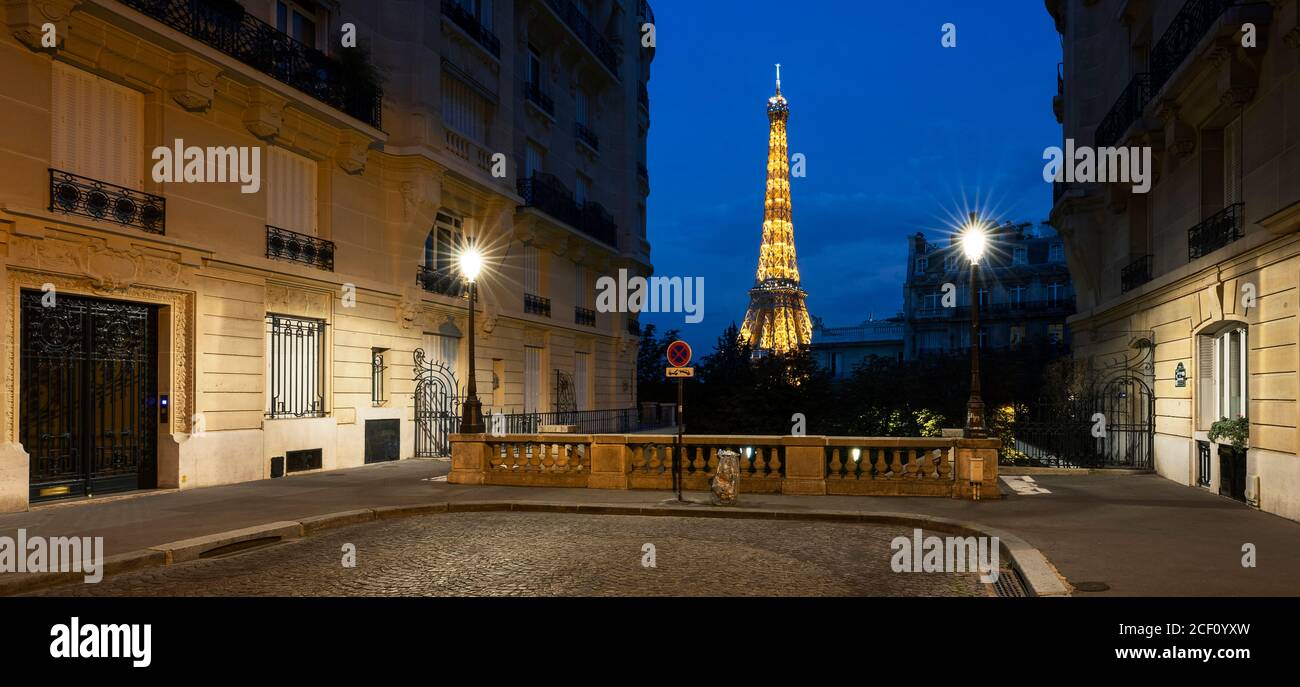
(533, 94)
(1191, 24)
(78, 195)
(1136, 274)
(586, 32)
(1128, 109)
(1216, 232)
(584, 133)
(347, 86)
(536, 305)
(545, 193)
(585, 317)
(282, 244)
(470, 25)
(442, 282)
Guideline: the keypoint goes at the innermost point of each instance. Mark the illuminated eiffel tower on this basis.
(777, 320)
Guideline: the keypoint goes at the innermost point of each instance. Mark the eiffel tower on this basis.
(777, 321)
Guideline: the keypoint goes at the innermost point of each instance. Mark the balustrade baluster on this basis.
(896, 467)
(775, 465)
(835, 464)
(881, 467)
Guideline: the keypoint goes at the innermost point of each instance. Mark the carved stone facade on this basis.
(378, 195)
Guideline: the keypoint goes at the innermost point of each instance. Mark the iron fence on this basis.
(1136, 274)
(77, 195)
(536, 305)
(470, 24)
(1217, 231)
(1127, 109)
(283, 244)
(296, 356)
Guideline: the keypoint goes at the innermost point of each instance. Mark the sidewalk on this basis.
(1138, 534)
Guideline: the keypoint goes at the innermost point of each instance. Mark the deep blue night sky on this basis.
(900, 135)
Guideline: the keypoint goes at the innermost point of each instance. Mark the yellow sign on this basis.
(681, 373)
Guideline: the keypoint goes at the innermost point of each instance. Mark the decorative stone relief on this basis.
(264, 116)
(1180, 137)
(291, 300)
(351, 152)
(27, 18)
(192, 82)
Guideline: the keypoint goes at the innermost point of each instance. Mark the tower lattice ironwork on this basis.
(777, 320)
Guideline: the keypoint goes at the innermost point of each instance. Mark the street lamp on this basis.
(974, 241)
(470, 262)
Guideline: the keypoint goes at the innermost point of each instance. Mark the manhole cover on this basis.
(1090, 586)
(1009, 584)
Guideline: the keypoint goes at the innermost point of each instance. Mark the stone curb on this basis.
(1037, 572)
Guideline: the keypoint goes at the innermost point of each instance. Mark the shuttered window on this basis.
(533, 270)
(532, 379)
(534, 157)
(464, 110)
(443, 349)
(96, 127)
(290, 191)
(1232, 163)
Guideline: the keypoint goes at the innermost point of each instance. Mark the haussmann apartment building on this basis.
(1201, 272)
(185, 333)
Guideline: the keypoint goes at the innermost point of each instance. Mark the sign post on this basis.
(679, 356)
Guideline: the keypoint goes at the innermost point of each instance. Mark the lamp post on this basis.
(471, 415)
(974, 242)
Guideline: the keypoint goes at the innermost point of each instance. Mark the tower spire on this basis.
(777, 320)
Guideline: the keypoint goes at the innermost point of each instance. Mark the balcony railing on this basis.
(470, 24)
(584, 133)
(349, 87)
(585, 317)
(442, 282)
(536, 305)
(1216, 232)
(78, 195)
(1128, 109)
(545, 193)
(1136, 274)
(1184, 32)
(533, 94)
(586, 32)
(282, 244)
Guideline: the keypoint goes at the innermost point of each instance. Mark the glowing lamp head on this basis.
(974, 242)
(471, 263)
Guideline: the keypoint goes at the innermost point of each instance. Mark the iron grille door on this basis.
(437, 407)
(87, 408)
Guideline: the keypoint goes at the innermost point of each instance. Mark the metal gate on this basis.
(1107, 426)
(437, 407)
(566, 401)
(87, 409)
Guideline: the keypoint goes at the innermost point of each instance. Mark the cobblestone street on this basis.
(526, 554)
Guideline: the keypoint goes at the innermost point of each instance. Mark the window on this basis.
(96, 127)
(1230, 390)
(290, 191)
(922, 264)
(1055, 293)
(1232, 163)
(532, 379)
(533, 270)
(582, 380)
(1020, 256)
(1056, 333)
(931, 301)
(443, 243)
(1056, 253)
(1016, 295)
(377, 368)
(580, 102)
(535, 71)
(296, 21)
(295, 354)
(983, 295)
(1017, 335)
(443, 349)
(464, 109)
(950, 263)
(534, 157)
(581, 292)
(480, 10)
(581, 190)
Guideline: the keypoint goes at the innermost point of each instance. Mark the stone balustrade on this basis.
(846, 466)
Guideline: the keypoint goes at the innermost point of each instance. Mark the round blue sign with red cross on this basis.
(679, 354)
